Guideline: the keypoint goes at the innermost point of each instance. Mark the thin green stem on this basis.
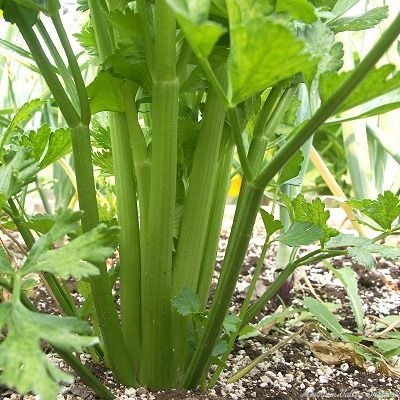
(46, 68)
(216, 215)
(61, 67)
(43, 197)
(311, 258)
(237, 137)
(16, 292)
(243, 310)
(85, 375)
(184, 57)
(141, 160)
(98, 12)
(214, 82)
(103, 299)
(80, 87)
(271, 115)
(144, 12)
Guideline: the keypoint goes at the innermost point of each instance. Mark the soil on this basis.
(293, 371)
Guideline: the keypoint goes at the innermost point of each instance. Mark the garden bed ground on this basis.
(293, 371)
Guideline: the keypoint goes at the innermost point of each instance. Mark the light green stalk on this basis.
(192, 237)
(193, 232)
(61, 67)
(129, 243)
(158, 246)
(221, 185)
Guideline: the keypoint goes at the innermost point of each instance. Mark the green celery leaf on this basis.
(103, 160)
(271, 225)
(377, 83)
(24, 365)
(230, 323)
(219, 348)
(25, 113)
(362, 249)
(361, 22)
(187, 302)
(313, 213)
(100, 132)
(320, 43)
(377, 106)
(346, 240)
(47, 146)
(203, 37)
(321, 312)
(105, 93)
(249, 10)
(127, 63)
(58, 146)
(291, 169)
(129, 59)
(192, 16)
(40, 223)
(5, 266)
(195, 11)
(17, 173)
(301, 233)
(126, 23)
(384, 210)
(349, 280)
(87, 39)
(75, 258)
(298, 9)
(257, 60)
(341, 6)
(364, 254)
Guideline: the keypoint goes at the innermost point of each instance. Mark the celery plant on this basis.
(180, 83)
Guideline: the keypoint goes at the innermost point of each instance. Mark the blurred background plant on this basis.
(20, 82)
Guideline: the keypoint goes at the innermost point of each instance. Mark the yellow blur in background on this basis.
(236, 183)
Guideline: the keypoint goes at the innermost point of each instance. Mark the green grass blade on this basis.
(349, 280)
